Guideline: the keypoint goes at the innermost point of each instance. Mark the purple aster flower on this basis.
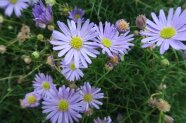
(75, 42)
(14, 5)
(64, 107)
(42, 14)
(105, 120)
(76, 14)
(43, 85)
(111, 42)
(71, 72)
(32, 2)
(31, 100)
(166, 31)
(90, 96)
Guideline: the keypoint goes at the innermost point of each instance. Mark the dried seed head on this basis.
(2, 49)
(25, 29)
(152, 102)
(163, 105)
(168, 119)
(114, 60)
(122, 25)
(141, 21)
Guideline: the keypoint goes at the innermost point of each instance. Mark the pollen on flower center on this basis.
(72, 66)
(63, 105)
(31, 99)
(106, 42)
(13, 1)
(46, 85)
(77, 16)
(76, 42)
(87, 98)
(167, 32)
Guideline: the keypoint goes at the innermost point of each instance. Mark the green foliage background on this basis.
(127, 87)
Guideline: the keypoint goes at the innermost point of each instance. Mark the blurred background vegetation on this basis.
(127, 87)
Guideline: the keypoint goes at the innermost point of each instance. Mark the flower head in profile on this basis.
(31, 100)
(166, 31)
(76, 13)
(111, 42)
(105, 120)
(43, 85)
(71, 72)
(32, 2)
(42, 14)
(64, 107)
(90, 96)
(15, 6)
(75, 42)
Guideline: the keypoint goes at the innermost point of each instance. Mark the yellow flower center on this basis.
(76, 42)
(87, 98)
(13, 1)
(77, 16)
(31, 99)
(72, 66)
(46, 85)
(63, 105)
(106, 42)
(167, 32)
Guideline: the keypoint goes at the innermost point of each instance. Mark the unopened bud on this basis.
(2, 49)
(141, 21)
(50, 2)
(10, 27)
(50, 27)
(122, 25)
(89, 112)
(108, 66)
(1, 19)
(40, 37)
(168, 119)
(27, 60)
(165, 62)
(36, 54)
(136, 33)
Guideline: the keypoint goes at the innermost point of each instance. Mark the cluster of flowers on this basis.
(65, 104)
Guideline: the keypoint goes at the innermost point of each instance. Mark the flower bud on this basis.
(40, 37)
(50, 2)
(162, 87)
(2, 49)
(136, 33)
(1, 19)
(36, 54)
(165, 62)
(168, 119)
(141, 21)
(163, 105)
(108, 66)
(89, 112)
(122, 25)
(10, 27)
(50, 61)
(50, 27)
(27, 60)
